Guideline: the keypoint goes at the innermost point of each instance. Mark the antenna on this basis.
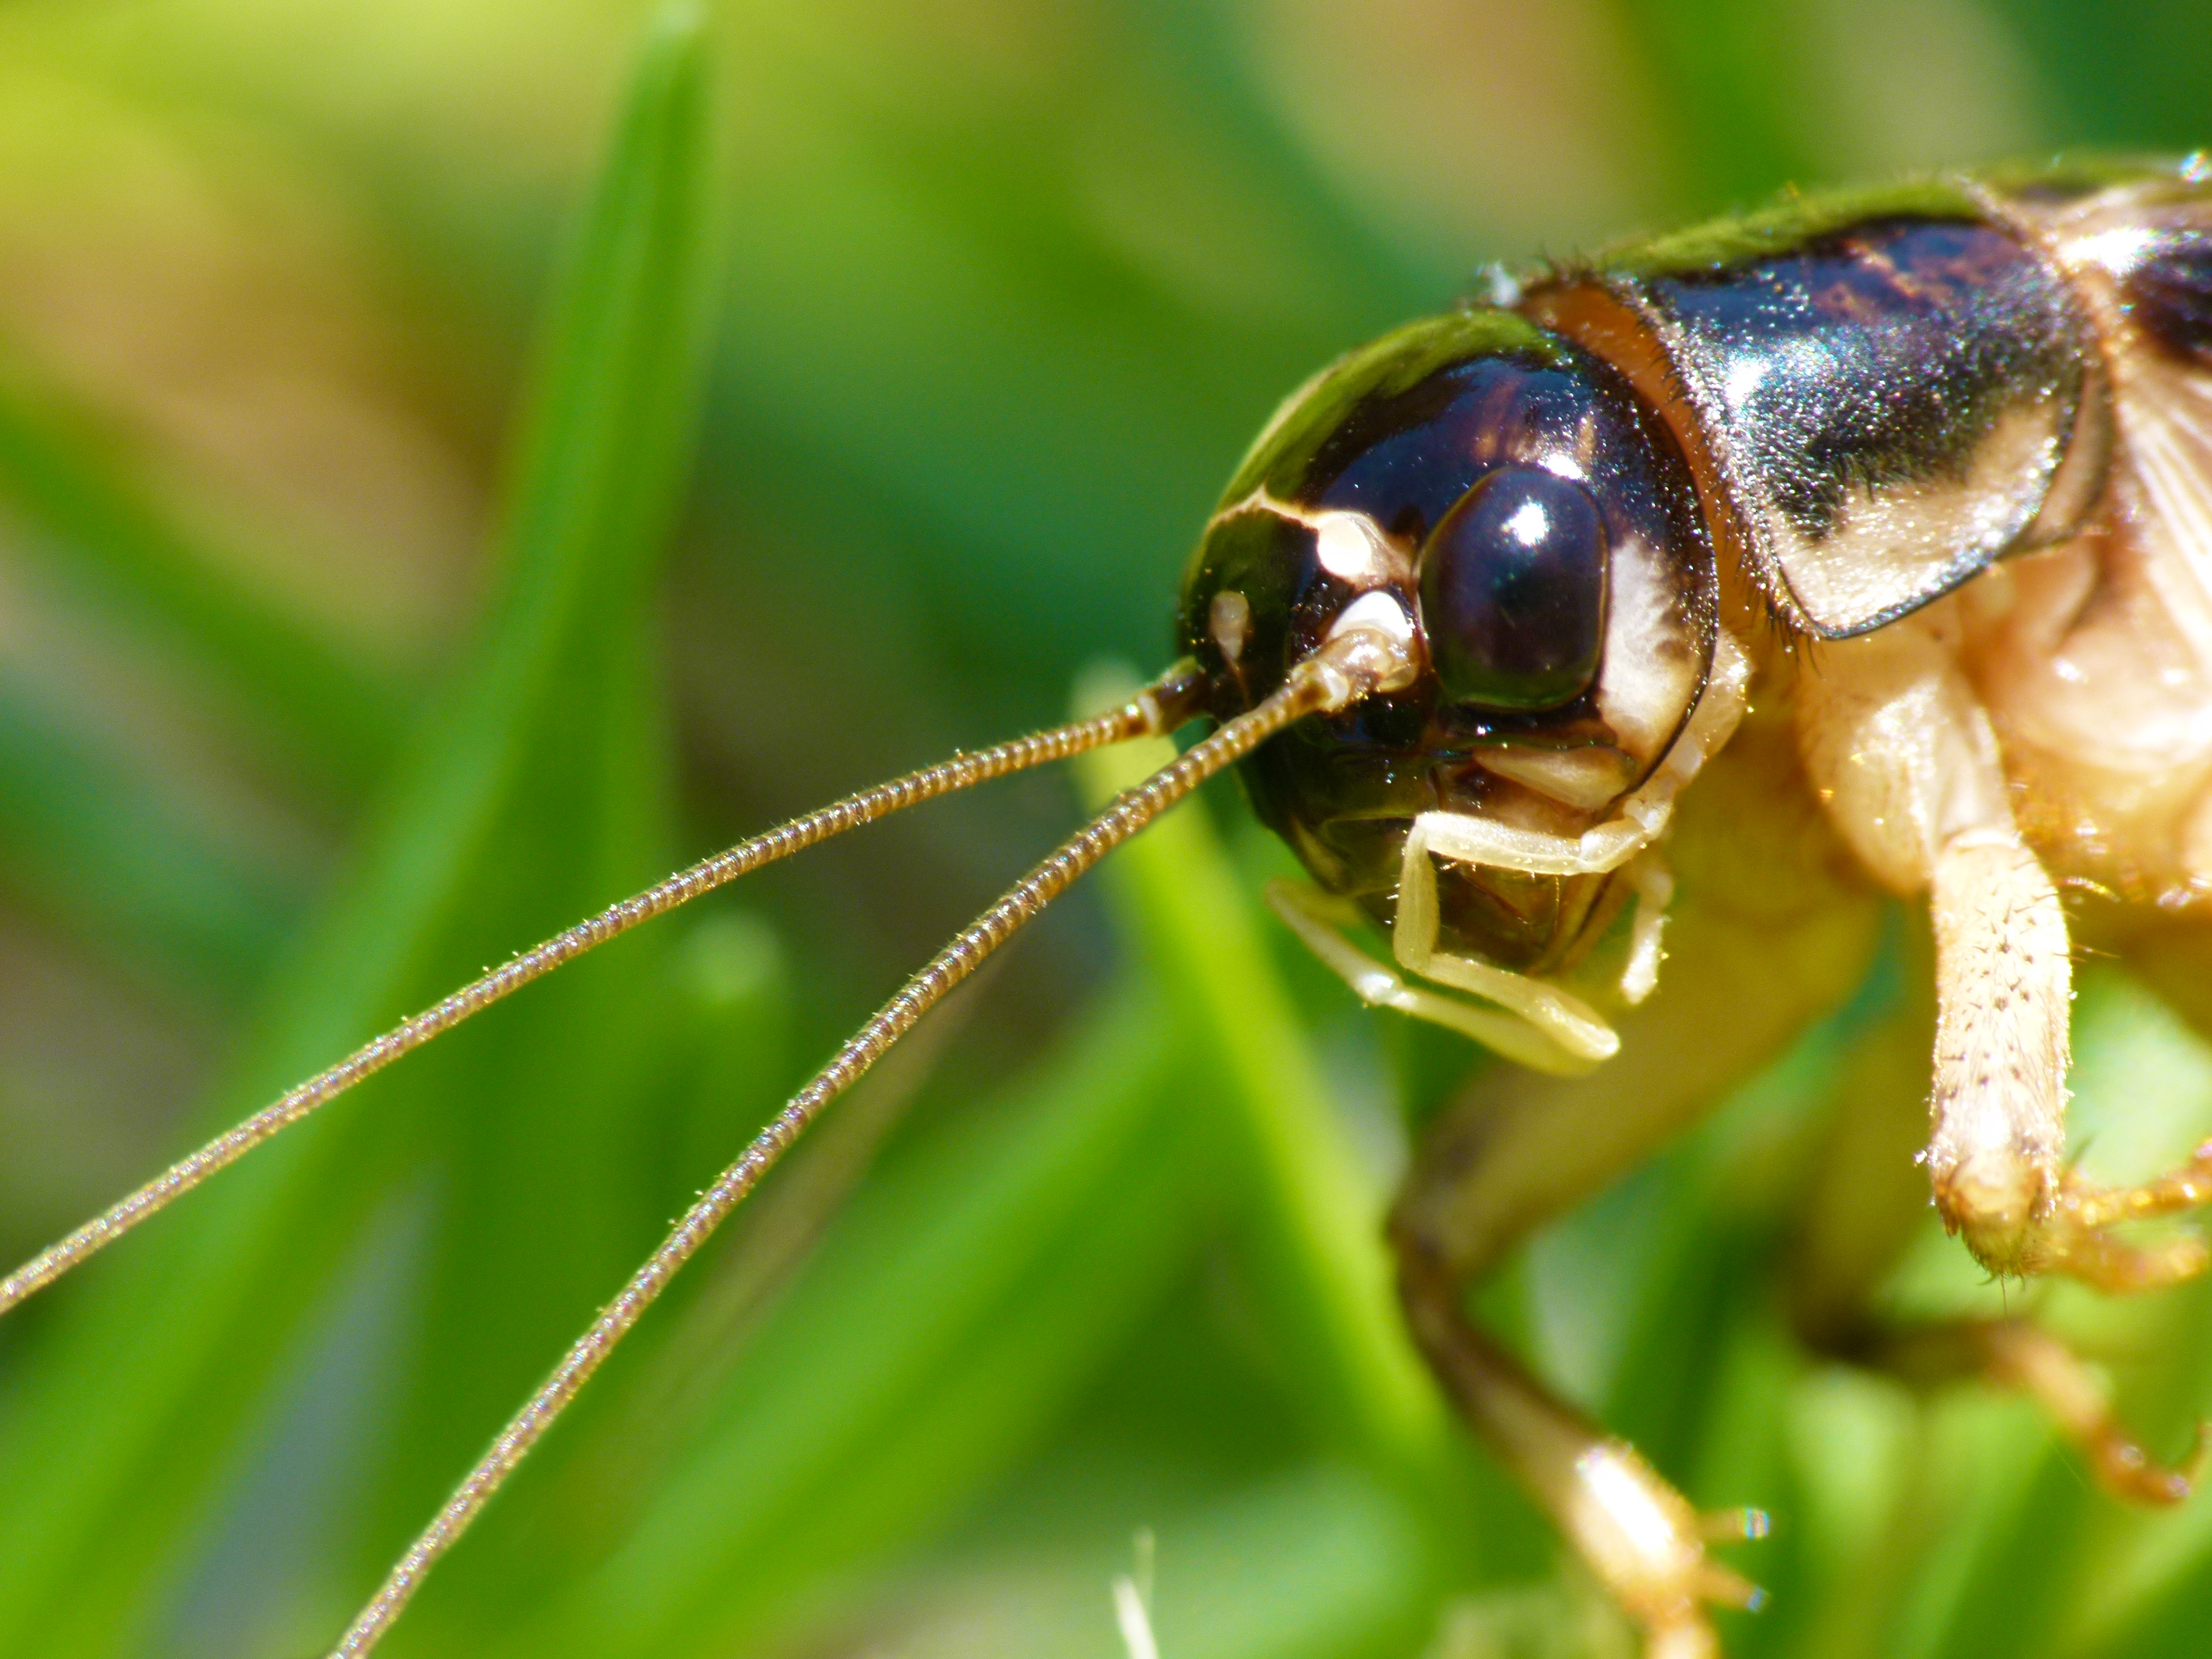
(1159, 709)
(1353, 664)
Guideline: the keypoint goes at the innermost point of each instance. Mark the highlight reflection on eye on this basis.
(1513, 592)
(1529, 524)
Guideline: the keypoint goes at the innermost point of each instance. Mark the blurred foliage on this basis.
(317, 689)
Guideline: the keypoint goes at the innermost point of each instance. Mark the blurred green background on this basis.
(457, 461)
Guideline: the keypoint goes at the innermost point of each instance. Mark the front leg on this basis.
(2004, 994)
(1996, 1157)
(1903, 755)
(1640, 1535)
(1750, 963)
(1864, 1205)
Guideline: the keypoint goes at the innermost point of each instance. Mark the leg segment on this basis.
(2003, 983)
(2021, 1355)
(1861, 1212)
(1637, 1533)
(1750, 963)
(2004, 993)
(2003, 979)
(1904, 756)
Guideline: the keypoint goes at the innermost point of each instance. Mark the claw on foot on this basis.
(2067, 1230)
(2045, 1369)
(2077, 1240)
(2188, 1188)
(2127, 1471)
(1648, 1546)
(1735, 1526)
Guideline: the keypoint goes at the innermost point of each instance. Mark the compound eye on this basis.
(1513, 583)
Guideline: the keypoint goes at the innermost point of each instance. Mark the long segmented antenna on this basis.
(1159, 709)
(1349, 667)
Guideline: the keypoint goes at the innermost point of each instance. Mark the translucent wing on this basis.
(2142, 257)
(2164, 415)
(2103, 679)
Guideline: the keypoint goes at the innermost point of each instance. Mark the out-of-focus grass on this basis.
(114, 1444)
(1008, 287)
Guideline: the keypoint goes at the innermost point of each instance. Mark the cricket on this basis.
(1628, 664)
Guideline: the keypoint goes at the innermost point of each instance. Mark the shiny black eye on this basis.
(1513, 585)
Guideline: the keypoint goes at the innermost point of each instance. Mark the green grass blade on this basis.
(324, 713)
(964, 1297)
(124, 862)
(1318, 1234)
(524, 798)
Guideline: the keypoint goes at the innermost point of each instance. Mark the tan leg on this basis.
(2019, 1354)
(1749, 965)
(1858, 1219)
(1904, 759)
(2004, 977)
(1637, 1533)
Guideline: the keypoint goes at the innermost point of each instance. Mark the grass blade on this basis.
(1319, 1234)
(325, 712)
(525, 794)
(128, 863)
(960, 1304)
